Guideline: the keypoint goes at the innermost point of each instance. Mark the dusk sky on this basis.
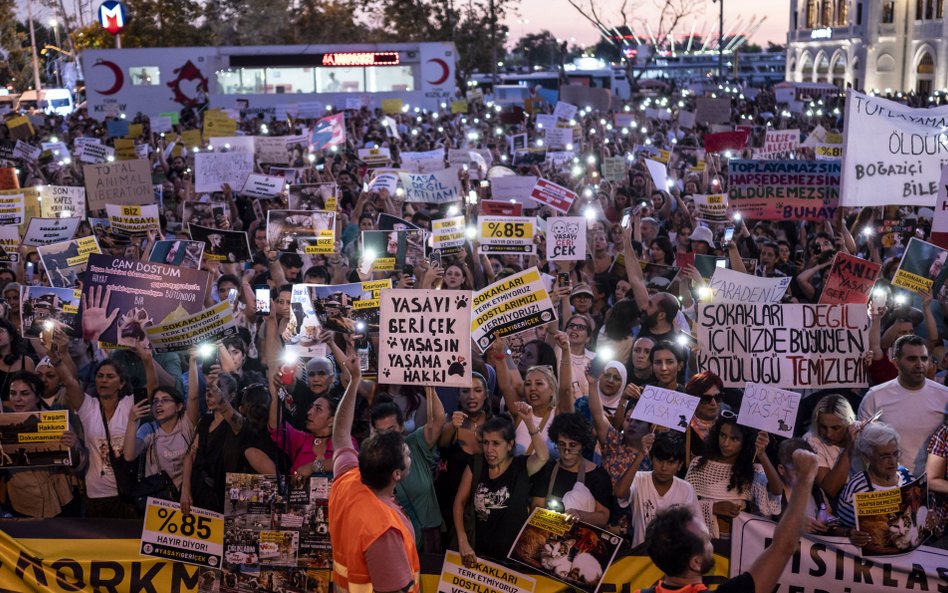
(563, 20)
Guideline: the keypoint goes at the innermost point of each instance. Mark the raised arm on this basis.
(634, 272)
(564, 400)
(435, 416)
(345, 413)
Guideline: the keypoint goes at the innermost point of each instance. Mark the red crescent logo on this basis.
(116, 72)
(445, 71)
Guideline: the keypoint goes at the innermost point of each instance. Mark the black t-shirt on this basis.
(597, 480)
(742, 583)
(500, 508)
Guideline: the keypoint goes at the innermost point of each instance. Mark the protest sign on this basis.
(303, 231)
(45, 231)
(262, 186)
(658, 276)
(779, 144)
(210, 325)
(9, 242)
(513, 187)
(186, 254)
(448, 236)
(895, 519)
(572, 552)
(217, 124)
(125, 182)
(62, 201)
(555, 196)
(232, 144)
(33, 439)
(614, 168)
(378, 156)
(528, 157)
(892, 153)
(93, 153)
(658, 173)
(26, 152)
(827, 152)
(393, 250)
(509, 306)
(329, 131)
(387, 222)
(831, 563)
(213, 169)
(12, 209)
(301, 338)
(271, 150)
(850, 280)
(564, 111)
(784, 190)
(276, 533)
(566, 238)
(506, 234)
(384, 180)
(939, 235)
(422, 162)
(43, 308)
(665, 407)
(921, 265)
(133, 220)
(725, 141)
(160, 124)
(196, 538)
(143, 293)
(66, 262)
(686, 119)
(204, 213)
(125, 149)
(483, 577)
(729, 286)
(425, 337)
(312, 196)
(500, 208)
(711, 208)
(712, 110)
(223, 246)
(436, 187)
(554, 138)
(340, 307)
(769, 409)
(787, 346)
(9, 178)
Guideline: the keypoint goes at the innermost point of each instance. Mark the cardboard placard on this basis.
(665, 407)
(213, 169)
(124, 182)
(729, 286)
(770, 409)
(437, 187)
(425, 337)
(46, 231)
(850, 280)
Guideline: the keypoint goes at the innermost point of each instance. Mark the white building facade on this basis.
(899, 45)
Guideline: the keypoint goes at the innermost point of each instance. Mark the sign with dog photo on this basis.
(577, 554)
(425, 337)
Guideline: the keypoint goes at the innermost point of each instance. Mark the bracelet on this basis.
(501, 356)
(534, 433)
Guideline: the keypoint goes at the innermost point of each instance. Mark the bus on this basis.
(268, 79)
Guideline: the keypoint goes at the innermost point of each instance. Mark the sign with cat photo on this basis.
(897, 519)
(578, 554)
(425, 337)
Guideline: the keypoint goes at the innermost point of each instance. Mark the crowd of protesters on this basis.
(536, 427)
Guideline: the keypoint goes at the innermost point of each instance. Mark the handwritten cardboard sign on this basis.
(768, 408)
(664, 407)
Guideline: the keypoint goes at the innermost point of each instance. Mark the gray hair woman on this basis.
(876, 467)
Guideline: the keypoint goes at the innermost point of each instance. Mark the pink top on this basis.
(299, 447)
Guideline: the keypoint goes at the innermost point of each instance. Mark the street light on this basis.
(54, 23)
(720, 39)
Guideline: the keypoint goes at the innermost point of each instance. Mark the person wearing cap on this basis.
(702, 240)
(911, 403)
(581, 298)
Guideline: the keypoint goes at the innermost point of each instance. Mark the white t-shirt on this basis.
(169, 450)
(647, 502)
(825, 452)
(915, 415)
(100, 481)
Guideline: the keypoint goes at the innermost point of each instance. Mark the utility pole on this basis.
(493, 49)
(36, 71)
(720, 39)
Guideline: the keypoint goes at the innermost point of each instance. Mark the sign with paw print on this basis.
(425, 337)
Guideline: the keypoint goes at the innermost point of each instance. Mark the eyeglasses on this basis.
(540, 367)
(160, 401)
(889, 456)
(580, 326)
(568, 447)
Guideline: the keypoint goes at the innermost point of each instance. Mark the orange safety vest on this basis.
(660, 588)
(356, 519)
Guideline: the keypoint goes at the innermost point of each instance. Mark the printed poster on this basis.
(312, 196)
(209, 325)
(134, 295)
(506, 235)
(784, 190)
(66, 262)
(510, 306)
(921, 266)
(387, 251)
(133, 220)
(196, 539)
(448, 236)
(425, 337)
(484, 576)
(302, 231)
(186, 254)
(711, 208)
(555, 196)
(343, 307)
(223, 246)
(46, 231)
(43, 308)
(32, 439)
(896, 519)
(578, 554)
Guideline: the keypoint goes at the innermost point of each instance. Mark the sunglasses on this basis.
(707, 399)
(728, 414)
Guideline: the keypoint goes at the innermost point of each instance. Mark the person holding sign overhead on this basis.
(726, 478)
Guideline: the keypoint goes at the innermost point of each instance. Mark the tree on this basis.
(539, 49)
(652, 35)
(327, 21)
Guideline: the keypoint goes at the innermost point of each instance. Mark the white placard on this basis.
(566, 238)
(664, 407)
(213, 169)
(768, 408)
(729, 286)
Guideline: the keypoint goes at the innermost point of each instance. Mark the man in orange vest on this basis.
(373, 543)
(679, 544)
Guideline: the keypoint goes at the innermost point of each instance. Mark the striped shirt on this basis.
(846, 510)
